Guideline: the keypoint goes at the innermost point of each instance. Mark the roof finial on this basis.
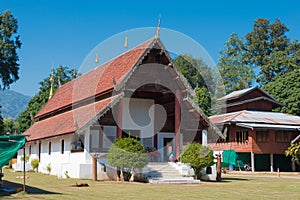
(158, 28)
(126, 41)
(74, 73)
(51, 83)
(97, 58)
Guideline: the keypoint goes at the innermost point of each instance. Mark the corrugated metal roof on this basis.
(256, 117)
(240, 93)
(273, 126)
(236, 94)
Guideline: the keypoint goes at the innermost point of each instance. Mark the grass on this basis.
(40, 186)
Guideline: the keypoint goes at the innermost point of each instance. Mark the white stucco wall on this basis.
(74, 163)
(79, 164)
(138, 114)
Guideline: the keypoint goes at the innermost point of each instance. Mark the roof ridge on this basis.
(137, 51)
(110, 60)
(133, 48)
(237, 114)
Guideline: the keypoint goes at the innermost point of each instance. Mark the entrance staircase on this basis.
(165, 173)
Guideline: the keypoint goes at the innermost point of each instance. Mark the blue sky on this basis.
(63, 32)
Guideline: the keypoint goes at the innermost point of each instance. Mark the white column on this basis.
(272, 162)
(252, 162)
(204, 137)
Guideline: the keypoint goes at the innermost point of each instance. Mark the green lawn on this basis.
(41, 186)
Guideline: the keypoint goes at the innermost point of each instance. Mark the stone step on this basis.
(165, 173)
(174, 181)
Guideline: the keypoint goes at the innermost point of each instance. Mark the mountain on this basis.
(13, 103)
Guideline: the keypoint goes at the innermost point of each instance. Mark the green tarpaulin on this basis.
(230, 157)
(9, 145)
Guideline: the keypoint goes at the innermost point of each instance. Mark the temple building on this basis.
(258, 135)
(140, 94)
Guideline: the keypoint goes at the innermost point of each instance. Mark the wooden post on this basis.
(155, 127)
(293, 166)
(94, 167)
(24, 171)
(177, 125)
(120, 113)
(219, 168)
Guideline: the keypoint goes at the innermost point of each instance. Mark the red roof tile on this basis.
(67, 122)
(96, 81)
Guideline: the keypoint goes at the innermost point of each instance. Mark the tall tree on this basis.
(9, 44)
(61, 75)
(190, 69)
(203, 99)
(202, 78)
(270, 49)
(266, 49)
(236, 74)
(286, 89)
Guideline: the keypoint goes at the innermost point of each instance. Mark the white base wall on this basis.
(73, 164)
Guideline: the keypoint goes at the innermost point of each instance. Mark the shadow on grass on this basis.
(29, 189)
(234, 179)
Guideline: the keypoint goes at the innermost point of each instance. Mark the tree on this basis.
(127, 154)
(286, 89)
(61, 75)
(188, 66)
(198, 157)
(294, 152)
(202, 79)
(203, 99)
(9, 126)
(270, 49)
(9, 44)
(265, 49)
(236, 74)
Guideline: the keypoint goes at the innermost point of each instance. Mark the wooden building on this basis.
(258, 135)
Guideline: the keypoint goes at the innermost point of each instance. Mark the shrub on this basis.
(294, 151)
(27, 156)
(35, 164)
(67, 174)
(128, 154)
(198, 157)
(49, 168)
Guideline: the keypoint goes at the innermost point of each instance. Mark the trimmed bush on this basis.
(127, 154)
(35, 164)
(198, 157)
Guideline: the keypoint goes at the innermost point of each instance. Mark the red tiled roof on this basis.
(68, 122)
(96, 81)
